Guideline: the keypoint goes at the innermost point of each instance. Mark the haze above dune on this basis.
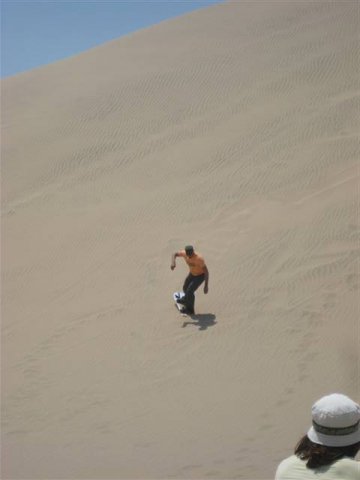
(234, 128)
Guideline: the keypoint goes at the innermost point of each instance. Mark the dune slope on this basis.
(234, 128)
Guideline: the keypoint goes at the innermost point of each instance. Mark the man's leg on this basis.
(191, 286)
(187, 282)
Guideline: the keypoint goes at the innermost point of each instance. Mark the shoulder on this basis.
(347, 468)
(180, 253)
(285, 467)
(200, 260)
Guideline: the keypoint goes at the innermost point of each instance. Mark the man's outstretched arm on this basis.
(173, 261)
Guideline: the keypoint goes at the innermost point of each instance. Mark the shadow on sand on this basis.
(203, 321)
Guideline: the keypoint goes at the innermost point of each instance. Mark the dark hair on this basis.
(321, 455)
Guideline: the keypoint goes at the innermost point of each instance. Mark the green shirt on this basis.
(293, 468)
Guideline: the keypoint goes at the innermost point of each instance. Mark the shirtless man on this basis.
(198, 274)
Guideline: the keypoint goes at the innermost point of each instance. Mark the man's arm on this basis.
(206, 286)
(173, 261)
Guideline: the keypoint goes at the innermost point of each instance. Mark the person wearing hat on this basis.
(328, 450)
(197, 275)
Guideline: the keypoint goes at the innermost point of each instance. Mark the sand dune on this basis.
(234, 128)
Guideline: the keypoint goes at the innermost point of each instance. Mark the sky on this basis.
(38, 32)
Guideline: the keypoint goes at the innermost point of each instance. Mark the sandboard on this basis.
(176, 296)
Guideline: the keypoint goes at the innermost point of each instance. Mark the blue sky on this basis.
(35, 33)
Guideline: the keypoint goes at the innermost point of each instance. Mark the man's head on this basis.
(189, 250)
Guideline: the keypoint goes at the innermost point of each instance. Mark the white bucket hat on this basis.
(336, 420)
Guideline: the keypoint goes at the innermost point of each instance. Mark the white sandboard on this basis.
(176, 296)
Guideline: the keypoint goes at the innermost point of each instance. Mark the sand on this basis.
(234, 128)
